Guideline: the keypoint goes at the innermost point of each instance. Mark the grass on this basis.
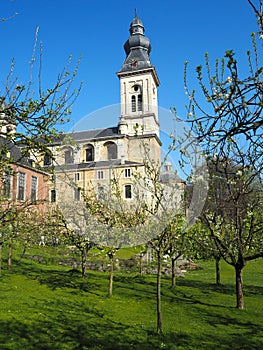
(47, 306)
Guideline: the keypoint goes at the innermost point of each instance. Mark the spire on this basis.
(137, 47)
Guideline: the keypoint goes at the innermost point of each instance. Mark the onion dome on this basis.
(137, 48)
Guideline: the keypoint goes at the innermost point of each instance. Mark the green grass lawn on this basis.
(45, 306)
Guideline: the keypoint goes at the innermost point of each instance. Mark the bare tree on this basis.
(30, 113)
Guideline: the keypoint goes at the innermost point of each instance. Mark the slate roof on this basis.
(14, 151)
(95, 134)
(95, 165)
(15, 155)
(90, 135)
(137, 48)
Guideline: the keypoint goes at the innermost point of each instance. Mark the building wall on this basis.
(34, 191)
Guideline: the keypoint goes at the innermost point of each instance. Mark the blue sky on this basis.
(178, 31)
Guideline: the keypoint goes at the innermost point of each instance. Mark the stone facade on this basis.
(89, 160)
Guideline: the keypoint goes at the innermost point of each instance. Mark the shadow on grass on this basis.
(228, 289)
(67, 279)
(75, 324)
(109, 335)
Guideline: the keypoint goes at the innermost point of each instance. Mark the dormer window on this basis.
(47, 159)
(68, 156)
(89, 153)
(111, 150)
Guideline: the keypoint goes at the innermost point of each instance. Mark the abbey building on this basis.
(90, 159)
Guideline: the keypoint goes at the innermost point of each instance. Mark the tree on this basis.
(230, 131)
(178, 246)
(10, 221)
(202, 246)
(234, 218)
(233, 109)
(31, 113)
(163, 207)
(76, 227)
(115, 221)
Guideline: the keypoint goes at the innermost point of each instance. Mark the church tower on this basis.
(138, 86)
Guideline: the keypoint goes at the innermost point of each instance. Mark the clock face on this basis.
(133, 63)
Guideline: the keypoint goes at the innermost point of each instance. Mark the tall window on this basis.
(21, 186)
(140, 102)
(101, 192)
(7, 185)
(89, 153)
(53, 196)
(77, 194)
(111, 150)
(136, 98)
(133, 103)
(128, 191)
(33, 196)
(68, 156)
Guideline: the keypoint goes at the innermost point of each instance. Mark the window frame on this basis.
(89, 148)
(21, 186)
(34, 189)
(128, 191)
(136, 98)
(7, 185)
(68, 156)
(47, 160)
(112, 150)
(53, 196)
(77, 194)
(100, 175)
(127, 172)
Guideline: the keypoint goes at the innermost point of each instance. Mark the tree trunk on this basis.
(9, 263)
(239, 287)
(83, 262)
(111, 274)
(1, 247)
(141, 257)
(23, 252)
(218, 277)
(173, 272)
(158, 295)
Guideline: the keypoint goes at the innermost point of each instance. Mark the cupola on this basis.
(137, 48)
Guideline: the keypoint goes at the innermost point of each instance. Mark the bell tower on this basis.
(138, 85)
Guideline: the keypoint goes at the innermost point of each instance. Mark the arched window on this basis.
(136, 98)
(89, 153)
(47, 159)
(140, 102)
(133, 103)
(111, 150)
(68, 155)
